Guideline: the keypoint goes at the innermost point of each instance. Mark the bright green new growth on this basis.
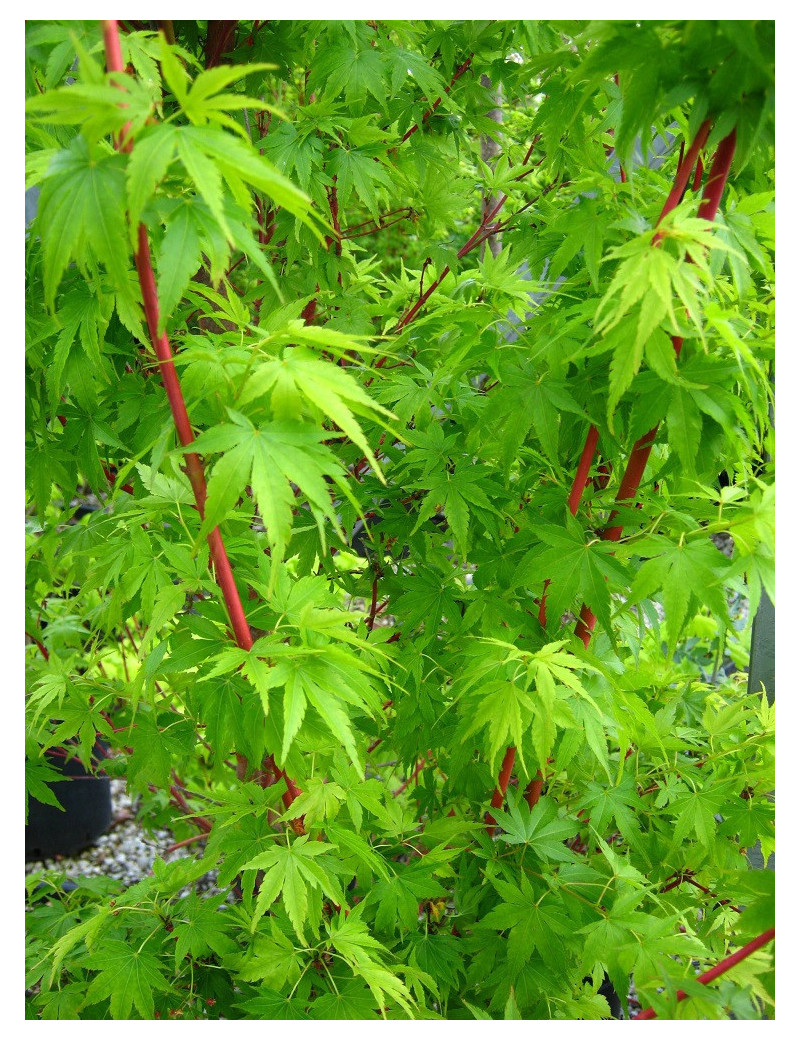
(392, 352)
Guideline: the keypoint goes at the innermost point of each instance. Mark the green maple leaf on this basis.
(319, 801)
(457, 494)
(147, 166)
(533, 925)
(211, 157)
(355, 70)
(606, 803)
(427, 597)
(695, 811)
(272, 1006)
(289, 870)
(398, 898)
(64, 1003)
(294, 152)
(689, 573)
(156, 741)
(270, 458)
(685, 427)
(353, 1001)
(298, 376)
(357, 169)
(500, 710)
(200, 929)
(271, 960)
(128, 977)
(38, 778)
(82, 213)
(540, 828)
(575, 568)
(366, 956)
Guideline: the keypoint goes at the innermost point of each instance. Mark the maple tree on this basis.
(400, 605)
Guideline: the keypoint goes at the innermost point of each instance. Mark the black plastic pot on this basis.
(87, 813)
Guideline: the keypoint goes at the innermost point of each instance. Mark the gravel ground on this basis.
(125, 852)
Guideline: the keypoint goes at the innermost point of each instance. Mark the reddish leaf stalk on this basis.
(372, 227)
(198, 821)
(42, 648)
(418, 769)
(684, 171)
(622, 177)
(685, 165)
(718, 969)
(698, 174)
(456, 76)
(483, 231)
(194, 467)
(333, 203)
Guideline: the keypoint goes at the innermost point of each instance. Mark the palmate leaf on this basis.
(575, 569)
(212, 155)
(684, 427)
(312, 680)
(289, 870)
(533, 925)
(38, 779)
(690, 571)
(358, 170)
(271, 959)
(148, 165)
(367, 957)
(457, 494)
(64, 1003)
(270, 458)
(354, 70)
(298, 375)
(202, 106)
(127, 976)
(500, 709)
(95, 107)
(84, 315)
(200, 929)
(82, 213)
(353, 1001)
(540, 828)
(270, 1006)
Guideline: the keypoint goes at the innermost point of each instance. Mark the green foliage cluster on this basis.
(301, 198)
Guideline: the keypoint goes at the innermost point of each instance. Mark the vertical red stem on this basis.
(712, 195)
(684, 171)
(502, 785)
(194, 467)
(533, 791)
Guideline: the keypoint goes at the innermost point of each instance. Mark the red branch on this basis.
(719, 969)
(502, 786)
(629, 485)
(194, 467)
(484, 230)
(641, 450)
